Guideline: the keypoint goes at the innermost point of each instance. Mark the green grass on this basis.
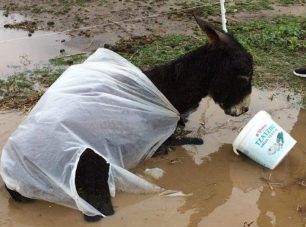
(278, 46)
(68, 60)
(290, 2)
(22, 90)
(283, 34)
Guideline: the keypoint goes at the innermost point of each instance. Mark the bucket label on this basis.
(277, 145)
(264, 134)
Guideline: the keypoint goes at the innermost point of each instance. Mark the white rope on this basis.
(223, 11)
(104, 24)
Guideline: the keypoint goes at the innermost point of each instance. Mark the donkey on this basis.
(222, 69)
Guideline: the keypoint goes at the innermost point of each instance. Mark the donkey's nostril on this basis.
(246, 109)
(227, 111)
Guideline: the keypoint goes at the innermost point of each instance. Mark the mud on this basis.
(20, 52)
(221, 188)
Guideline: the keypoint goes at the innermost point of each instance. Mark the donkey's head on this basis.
(230, 67)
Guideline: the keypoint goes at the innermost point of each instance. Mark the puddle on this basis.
(20, 52)
(216, 128)
(225, 189)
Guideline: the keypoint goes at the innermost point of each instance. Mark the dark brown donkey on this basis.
(222, 69)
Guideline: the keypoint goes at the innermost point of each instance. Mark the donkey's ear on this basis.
(214, 36)
(211, 33)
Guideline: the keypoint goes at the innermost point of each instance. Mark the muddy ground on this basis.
(221, 189)
(78, 27)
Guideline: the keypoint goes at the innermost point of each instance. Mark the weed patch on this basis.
(21, 91)
(68, 60)
(278, 47)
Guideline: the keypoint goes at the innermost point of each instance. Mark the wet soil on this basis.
(221, 188)
(20, 52)
(87, 27)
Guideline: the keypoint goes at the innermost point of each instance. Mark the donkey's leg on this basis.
(172, 141)
(92, 183)
(17, 197)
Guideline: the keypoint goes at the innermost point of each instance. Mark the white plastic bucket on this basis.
(264, 141)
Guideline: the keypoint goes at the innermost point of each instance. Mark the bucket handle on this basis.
(235, 150)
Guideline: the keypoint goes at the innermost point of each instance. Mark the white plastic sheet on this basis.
(106, 104)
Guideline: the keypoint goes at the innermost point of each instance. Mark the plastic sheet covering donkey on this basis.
(105, 104)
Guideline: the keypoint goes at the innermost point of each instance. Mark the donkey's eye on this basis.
(245, 78)
(246, 74)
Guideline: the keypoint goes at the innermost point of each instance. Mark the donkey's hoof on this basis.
(92, 218)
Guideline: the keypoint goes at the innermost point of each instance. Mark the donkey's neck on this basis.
(184, 81)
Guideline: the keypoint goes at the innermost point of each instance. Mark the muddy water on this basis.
(216, 128)
(221, 189)
(20, 52)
